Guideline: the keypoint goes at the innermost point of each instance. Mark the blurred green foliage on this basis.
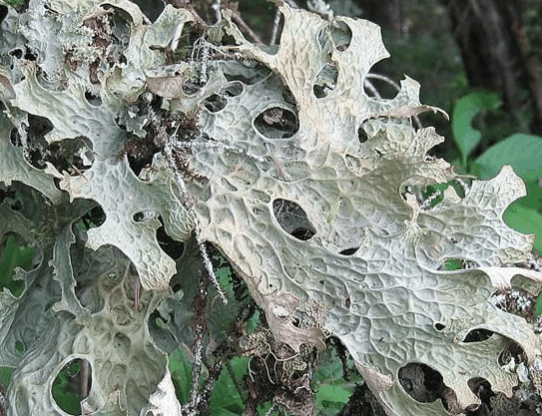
(14, 255)
(66, 387)
(521, 151)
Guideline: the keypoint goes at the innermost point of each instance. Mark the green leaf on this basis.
(522, 151)
(14, 256)
(538, 307)
(465, 136)
(533, 199)
(526, 220)
(5, 375)
(181, 374)
(333, 393)
(452, 264)
(226, 398)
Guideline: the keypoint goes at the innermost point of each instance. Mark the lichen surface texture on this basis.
(311, 187)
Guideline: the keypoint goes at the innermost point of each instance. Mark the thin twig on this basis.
(204, 59)
(320, 7)
(271, 409)
(246, 28)
(219, 145)
(276, 24)
(216, 7)
(195, 397)
(432, 198)
(369, 86)
(291, 3)
(385, 79)
(210, 382)
(169, 148)
(464, 185)
(200, 303)
(185, 4)
(176, 36)
(85, 375)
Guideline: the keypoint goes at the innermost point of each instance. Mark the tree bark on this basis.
(496, 52)
(388, 14)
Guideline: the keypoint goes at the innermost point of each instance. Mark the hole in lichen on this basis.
(151, 9)
(17, 53)
(277, 123)
(337, 35)
(293, 219)
(341, 35)
(29, 55)
(481, 388)
(215, 103)
(140, 153)
(453, 264)
(3, 13)
(56, 182)
(477, 335)
(93, 218)
(302, 233)
(233, 89)
(250, 73)
(421, 382)
(171, 247)
(36, 153)
(288, 97)
(349, 251)
(15, 137)
(16, 253)
(92, 99)
(19, 347)
(74, 156)
(362, 135)
(190, 34)
(144, 216)
(462, 186)
(225, 272)
(513, 351)
(72, 385)
(326, 80)
(379, 86)
(439, 326)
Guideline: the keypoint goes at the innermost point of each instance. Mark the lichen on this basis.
(259, 152)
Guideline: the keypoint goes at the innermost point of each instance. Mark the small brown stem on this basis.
(185, 4)
(246, 28)
(84, 387)
(137, 294)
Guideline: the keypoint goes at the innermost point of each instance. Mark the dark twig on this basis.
(200, 328)
(246, 28)
(185, 4)
(169, 150)
(276, 24)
